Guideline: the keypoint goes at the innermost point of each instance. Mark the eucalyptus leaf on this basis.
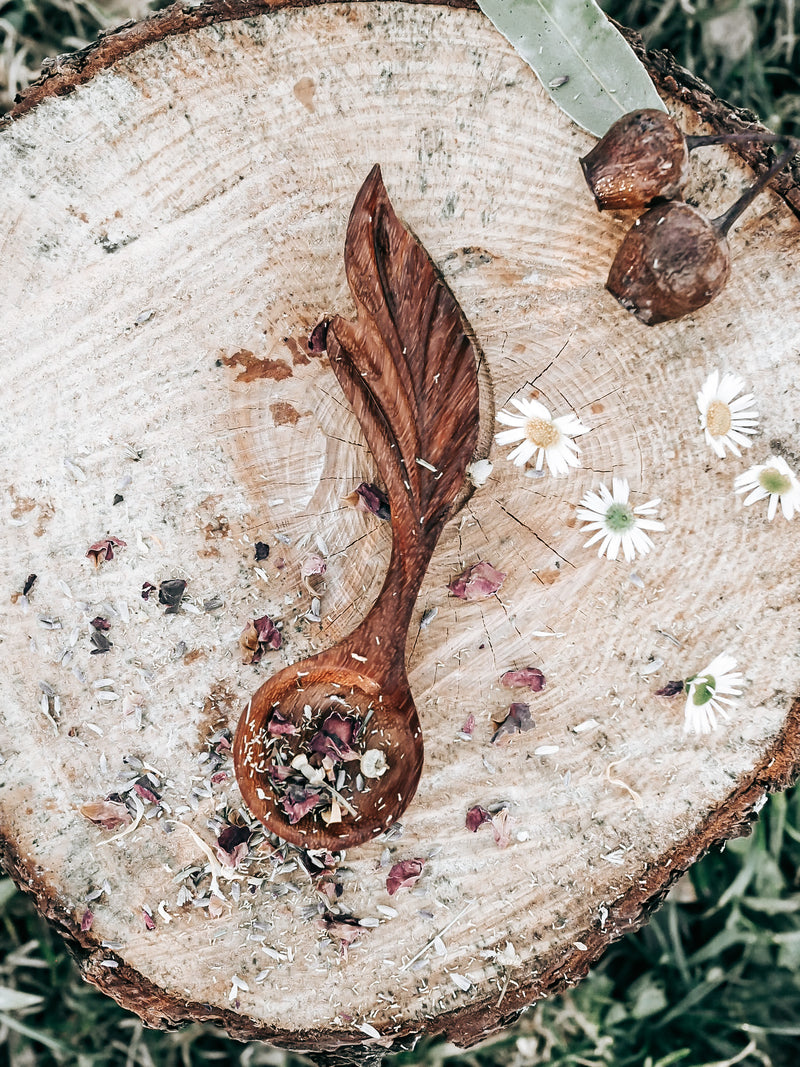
(583, 62)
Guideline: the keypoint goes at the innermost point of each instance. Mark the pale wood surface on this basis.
(169, 234)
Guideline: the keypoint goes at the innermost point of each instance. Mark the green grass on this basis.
(714, 979)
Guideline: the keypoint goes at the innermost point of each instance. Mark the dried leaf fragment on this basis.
(170, 593)
(477, 582)
(517, 721)
(404, 875)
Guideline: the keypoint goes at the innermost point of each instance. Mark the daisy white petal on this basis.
(617, 525)
(726, 417)
(544, 439)
(708, 692)
(774, 480)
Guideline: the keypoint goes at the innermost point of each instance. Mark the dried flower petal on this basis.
(262, 551)
(318, 339)
(149, 921)
(477, 582)
(501, 827)
(299, 799)
(368, 498)
(147, 589)
(404, 875)
(99, 623)
(671, 689)
(110, 814)
(103, 550)
(342, 928)
(476, 817)
(312, 565)
(531, 677)
(278, 724)
(232, 845)
(258, 637)
(373, 763)
(335, 738)
(86, 920)
(144, 789)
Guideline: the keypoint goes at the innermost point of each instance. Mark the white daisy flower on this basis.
(708, 691)
(774, 479)
(725, 416)
(618, 525)
(541, 435)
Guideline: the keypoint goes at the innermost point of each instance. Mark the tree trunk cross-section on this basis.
(172, 228)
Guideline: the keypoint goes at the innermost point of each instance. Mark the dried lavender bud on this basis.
(642, 156)
(672, 261)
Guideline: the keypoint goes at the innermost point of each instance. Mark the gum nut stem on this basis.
(642, 156)
(674, 260)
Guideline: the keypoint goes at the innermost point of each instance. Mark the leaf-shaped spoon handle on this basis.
(408, 368)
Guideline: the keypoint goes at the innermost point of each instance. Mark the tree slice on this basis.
(172, 226)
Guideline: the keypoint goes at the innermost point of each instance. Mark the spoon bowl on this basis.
(373, 724)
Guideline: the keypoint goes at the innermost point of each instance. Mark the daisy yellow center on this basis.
(718, 418)
(619, 518)
(773, 481)
(704, 690)
(542, 433)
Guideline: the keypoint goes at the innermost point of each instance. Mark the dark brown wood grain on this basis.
(408, 367)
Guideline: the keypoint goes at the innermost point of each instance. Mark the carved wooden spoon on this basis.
(408, 368)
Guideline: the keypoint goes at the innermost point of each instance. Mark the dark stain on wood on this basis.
(304, 90)
(298, 349)
(253, 368)
(283, 413)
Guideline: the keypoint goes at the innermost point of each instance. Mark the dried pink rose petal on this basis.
(336, 737)
(477, 582)
(147, 589)
(501, 827)
(220, 776)
(299, 799)
(403, 875)
(232, 845)
(476, 817)
(342, 928)
(99, 623)
(318, 338)
(149, 921)
(278, 724)
(469, 725)
(86, 920)
(110, 814)
(143, 789)
(370, 499)
(312, 565)
(671, 689)
(104, 550)
(531, 677)
(258, 637)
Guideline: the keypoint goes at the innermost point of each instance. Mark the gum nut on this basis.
(641, 157)
(672, 261)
